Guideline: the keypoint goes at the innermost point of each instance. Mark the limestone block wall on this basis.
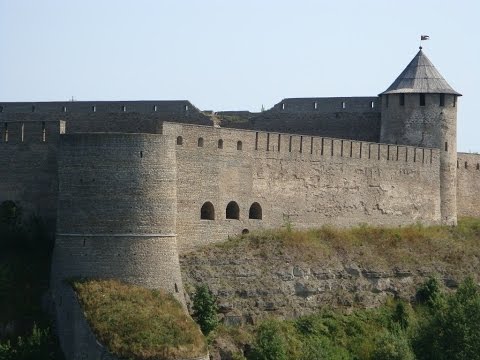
(355, 118)
(116, 210)
(106, 116)
(303, 180)
(28, 166)
(468, 184)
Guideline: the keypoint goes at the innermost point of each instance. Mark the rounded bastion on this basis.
(117, 210)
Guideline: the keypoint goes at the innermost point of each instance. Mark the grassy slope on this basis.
(137, 323)
(452, 249)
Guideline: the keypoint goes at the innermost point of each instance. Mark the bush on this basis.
(318, 348)
(269, 342)
(429, 292)
(452, 332)
(401, 315)
(205, 309)
(39, 345)
(393, 346)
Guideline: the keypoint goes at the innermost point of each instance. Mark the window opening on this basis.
(232, 211)
(255, 211)
(207, 212)
(239, 145)
(220, 144)
(422, 99)
(200, 142)
(179, 140)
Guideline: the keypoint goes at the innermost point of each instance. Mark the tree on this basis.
(205, 309)
(269, 343)
(452, 332)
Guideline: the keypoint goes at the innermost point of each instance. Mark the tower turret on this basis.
(420, 109)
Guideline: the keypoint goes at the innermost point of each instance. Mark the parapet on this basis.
(17, 132)
(329, 104)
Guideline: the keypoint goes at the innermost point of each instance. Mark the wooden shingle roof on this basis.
(420, 76)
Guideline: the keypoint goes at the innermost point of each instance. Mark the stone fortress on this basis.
(128, 185)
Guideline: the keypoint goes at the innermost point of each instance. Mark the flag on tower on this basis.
(424, 37)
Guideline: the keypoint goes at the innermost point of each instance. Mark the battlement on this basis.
(329, 104)
(173, 106)
(17, 132)
(468, 162)
(290, 146)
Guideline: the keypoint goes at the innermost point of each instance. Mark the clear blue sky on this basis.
(226, 55)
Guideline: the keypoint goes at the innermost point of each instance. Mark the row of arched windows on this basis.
(232, 211)
(201, 141)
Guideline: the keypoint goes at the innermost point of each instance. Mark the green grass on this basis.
(138, 323)
(369, 246)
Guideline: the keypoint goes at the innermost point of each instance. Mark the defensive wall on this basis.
(303, 180)
(356, 118)
(28, 166)
(105, 116)
(468, 184)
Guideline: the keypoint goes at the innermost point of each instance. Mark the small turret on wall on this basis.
(420, 109)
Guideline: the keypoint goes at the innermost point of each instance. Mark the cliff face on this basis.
(268, 274)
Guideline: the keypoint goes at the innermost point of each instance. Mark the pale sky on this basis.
(234, 55)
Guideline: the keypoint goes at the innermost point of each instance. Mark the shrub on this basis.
(39, 345)
(401, 315)
(452, 331)
(429, 292)
(393, 346)
(318, 348)
(269, 342)
(205, 309)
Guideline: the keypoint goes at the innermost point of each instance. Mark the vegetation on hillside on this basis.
(138, 323)
(446, 328)
(369, 246)
(25, 253)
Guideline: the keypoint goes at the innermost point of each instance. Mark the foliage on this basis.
(452, 331)
(205, 309)
(393, 346)
(138, 323)
(429, 293)
(269, 342)
(39, 345)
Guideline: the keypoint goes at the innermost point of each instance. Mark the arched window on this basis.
(220, 144)
(255, 211)
(207, 212)
(233, 211)
(239, 145)
(179, 140)
(200, 142)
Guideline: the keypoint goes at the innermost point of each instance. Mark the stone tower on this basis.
(420, 109)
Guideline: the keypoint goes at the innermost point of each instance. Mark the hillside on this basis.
(288, 273)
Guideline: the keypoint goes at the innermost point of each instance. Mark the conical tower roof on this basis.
(420, 76)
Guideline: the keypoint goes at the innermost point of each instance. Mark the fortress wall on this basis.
(340, 124)
(329, 104)
(117, 206)
(28, 167)
(85, 116)
(468, 184)
(335, 181)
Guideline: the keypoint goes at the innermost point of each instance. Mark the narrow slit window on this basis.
(301, 143)
(478, 166)
(43, 131)
(6, 132)
(402, 99)
(155, 108)
(124, 108)
(23, 132)
(446, 146)
(290, 145)
(268, 141)
(372, 104)
(283, 106)
(315, 105)
(239, 145)
(466, 165)
(200, 142)
(279, 141)
(344, 104)
(422, 99)
(220, 144)
(321, 150)
(256, 141)
(311, 145)
(64, 109)
(179, 140)
(442, 99)
(454, 100)
(186, 107)
(94, 108)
